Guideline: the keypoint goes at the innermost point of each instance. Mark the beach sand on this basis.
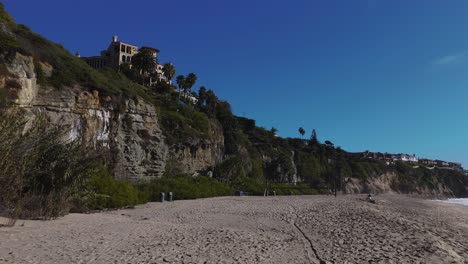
(282, 229)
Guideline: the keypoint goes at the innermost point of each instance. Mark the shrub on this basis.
(111, 193)
(230, 170)
(39, 172)
(308, 167)
(4, 16)
(186, 187)
(183, 124)
(8, 43)
(40, 74)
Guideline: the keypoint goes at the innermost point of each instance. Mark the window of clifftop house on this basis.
(129, 49)
(129, 59)
(122, 48)
(123, 58)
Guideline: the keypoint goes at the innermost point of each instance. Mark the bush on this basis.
(248, 185)
(183, 124)
(186, 187)
(40, 74)
(8, 43)
(111, 193)
(39, 172)
(230, 170)
(5, 17)
(309, 167)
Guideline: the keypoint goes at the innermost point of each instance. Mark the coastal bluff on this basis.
(145, 130)
(127, 130)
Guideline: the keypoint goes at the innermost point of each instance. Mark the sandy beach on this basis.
(300, 229)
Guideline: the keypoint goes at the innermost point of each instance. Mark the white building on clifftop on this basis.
(405, 157)
(118, 53)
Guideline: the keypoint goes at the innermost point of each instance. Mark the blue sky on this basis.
(387, 76)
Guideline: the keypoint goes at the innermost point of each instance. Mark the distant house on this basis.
(428, 162)
(456, 166)
(190, 96)
(118, 53)
(441, 163)
(405, 158)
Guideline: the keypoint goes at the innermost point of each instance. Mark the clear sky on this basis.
(389, 76)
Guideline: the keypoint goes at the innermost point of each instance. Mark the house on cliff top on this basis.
(118, 53)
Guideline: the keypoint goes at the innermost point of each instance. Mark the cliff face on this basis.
(200, 155)
(390, 182)
(127, 130)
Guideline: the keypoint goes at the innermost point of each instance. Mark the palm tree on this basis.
(181, 82)
(169, 71)
(201, 96)
(145, 62)
(302, 131)
(211, 101)
(190, 81)
(273, 130)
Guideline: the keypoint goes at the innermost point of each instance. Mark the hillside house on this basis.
(441, 163)
(405, 158)
(118, 53)
(427, 162)
(456, 166)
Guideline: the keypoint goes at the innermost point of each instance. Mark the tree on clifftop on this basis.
(190, 81)
(180, 82)
(302, 131)
(169, 71)
(211, 101)
(201, 96)
(273, 130)
(145, 62)
(313, 138)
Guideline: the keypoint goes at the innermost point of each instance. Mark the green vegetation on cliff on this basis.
(68, 70)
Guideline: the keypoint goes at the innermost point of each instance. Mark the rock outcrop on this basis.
(199, 155)
(389, 182)
(127, 130)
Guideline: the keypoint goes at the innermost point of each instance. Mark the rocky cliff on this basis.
(145, 133)
(127, 130)
(393, 182)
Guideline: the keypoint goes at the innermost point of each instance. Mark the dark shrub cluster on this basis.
(40, 172)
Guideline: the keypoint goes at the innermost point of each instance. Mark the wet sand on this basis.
(293, 229)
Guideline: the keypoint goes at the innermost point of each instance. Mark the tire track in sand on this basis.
(310, 246)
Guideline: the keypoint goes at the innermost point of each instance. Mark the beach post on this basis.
(169, 196)
(161, 197)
